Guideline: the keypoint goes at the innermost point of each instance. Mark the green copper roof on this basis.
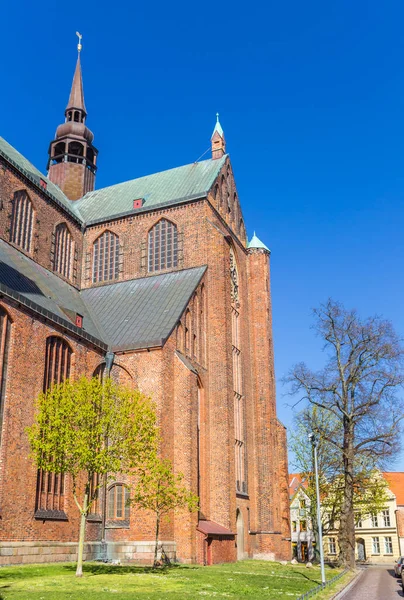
(256, 243)
(164, 188)
(159, 189)
(32, 173)
(218, 127)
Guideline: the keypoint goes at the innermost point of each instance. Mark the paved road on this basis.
(376, 583)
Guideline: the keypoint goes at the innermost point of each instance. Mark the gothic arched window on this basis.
(62, 259)
(5, 333)
(50, 487)
(118, 502)
(163, 246)
(22, 218)
(106, 257)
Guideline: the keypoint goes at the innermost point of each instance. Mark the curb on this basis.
(339, 595)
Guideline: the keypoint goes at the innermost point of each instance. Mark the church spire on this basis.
(72, 156)
(76, 99)
(217, 140)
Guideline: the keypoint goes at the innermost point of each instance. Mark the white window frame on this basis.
(388, 545)
(375, 545)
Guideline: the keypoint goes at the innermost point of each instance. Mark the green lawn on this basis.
(247, 579)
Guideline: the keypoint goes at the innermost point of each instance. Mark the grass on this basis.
(248, 579)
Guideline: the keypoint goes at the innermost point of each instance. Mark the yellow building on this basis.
(377, 536)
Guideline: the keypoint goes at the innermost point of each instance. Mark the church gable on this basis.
(223, 196)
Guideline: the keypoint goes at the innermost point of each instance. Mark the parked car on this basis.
(398, 567)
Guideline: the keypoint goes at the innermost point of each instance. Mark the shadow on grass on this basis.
(108, 569)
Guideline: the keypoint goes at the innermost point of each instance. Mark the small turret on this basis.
(218, 141)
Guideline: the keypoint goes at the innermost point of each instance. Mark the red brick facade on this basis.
(191, 378)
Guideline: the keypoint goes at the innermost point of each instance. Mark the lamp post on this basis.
(313, 441)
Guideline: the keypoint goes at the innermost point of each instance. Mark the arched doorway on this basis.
(240, 536)
(360, 545)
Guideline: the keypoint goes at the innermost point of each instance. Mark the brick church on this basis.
(154, 282)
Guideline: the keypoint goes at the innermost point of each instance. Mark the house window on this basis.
(22, 217)
(118, 502)
(5, 332)
(374, 521)
(303, 525)
(358, 520)
(386, 517)
(375, 545)
(332, 547)
(50, 487)
(388, 545)
(106, 257)
(163, 246)
(294, 526)
(62, 259)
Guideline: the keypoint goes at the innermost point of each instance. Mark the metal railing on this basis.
(322, 586)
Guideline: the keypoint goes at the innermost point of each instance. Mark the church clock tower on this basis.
(72, 156)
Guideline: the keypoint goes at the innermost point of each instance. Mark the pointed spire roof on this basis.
(218, 128)
(255, 242)
(76, 99)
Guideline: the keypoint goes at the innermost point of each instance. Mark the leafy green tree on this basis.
(89, 427)
(161, 491)
(359, 386)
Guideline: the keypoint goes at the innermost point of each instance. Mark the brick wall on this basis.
(46, 217)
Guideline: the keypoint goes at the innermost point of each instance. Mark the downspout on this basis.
(109, 361)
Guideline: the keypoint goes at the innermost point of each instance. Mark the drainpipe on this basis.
(109, 361)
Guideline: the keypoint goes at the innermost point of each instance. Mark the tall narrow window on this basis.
(62, 259)
(51, 486)
(106, 257)
(163, 246)
(187, 332)
(22, 217)
(5, 332)
(239, 410)
(202, 326)
(118, 502)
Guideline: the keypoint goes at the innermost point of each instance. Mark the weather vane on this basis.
(79, 46)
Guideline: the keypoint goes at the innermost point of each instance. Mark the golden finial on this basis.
(79, 45)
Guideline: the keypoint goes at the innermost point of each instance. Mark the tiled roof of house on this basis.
(395, 479)
(295, 481)
(140, 313)
(165, 188)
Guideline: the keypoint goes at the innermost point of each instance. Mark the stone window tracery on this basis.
(163, 246)
(22, 218)
(106, 257)
(63, 256)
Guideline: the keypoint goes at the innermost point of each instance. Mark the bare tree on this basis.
(359, 386)
(370, 488)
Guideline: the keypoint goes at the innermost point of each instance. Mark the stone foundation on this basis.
(17, 553)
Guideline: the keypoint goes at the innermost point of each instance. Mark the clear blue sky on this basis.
(311, 98)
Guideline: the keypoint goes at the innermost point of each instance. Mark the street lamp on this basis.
(313, 441)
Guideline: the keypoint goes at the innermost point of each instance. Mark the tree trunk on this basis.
(347, 522)
(83, 518)
(157, 539)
